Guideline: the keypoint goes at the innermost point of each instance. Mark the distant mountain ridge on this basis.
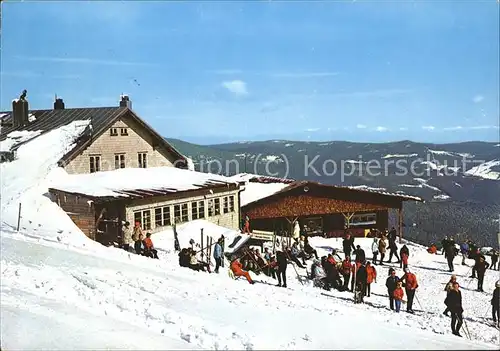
(453, 178)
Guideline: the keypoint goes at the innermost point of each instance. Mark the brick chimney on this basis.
(125, 101)
(20, 111)
(59, 104)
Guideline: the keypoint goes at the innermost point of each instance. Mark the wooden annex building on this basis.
(325, 210)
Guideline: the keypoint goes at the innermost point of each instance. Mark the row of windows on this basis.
(163, 215)
(114, 131)
(95, 161)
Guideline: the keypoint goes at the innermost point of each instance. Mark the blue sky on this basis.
(212, 72)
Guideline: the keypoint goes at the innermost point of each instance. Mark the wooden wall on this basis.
(79, 209)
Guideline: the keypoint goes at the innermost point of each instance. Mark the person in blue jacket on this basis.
(218, 255)
(464, 250)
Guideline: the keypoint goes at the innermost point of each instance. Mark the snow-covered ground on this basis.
(60, 290)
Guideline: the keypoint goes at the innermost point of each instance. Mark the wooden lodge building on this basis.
(324, 210)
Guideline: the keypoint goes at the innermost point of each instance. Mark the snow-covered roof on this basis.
(267, 192)
(129, 182)
(258, 187)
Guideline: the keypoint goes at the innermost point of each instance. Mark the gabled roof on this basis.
(101, 119)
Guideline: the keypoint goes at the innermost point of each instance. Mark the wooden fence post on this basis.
(19, 217)
(202, 253)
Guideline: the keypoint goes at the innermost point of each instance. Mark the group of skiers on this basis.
(135, 236)
(469, 250)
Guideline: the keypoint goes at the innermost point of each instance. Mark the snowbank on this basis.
(27, 179)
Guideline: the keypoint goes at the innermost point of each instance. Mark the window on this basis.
(210, 207)
(216, 207)
(119, 161)
(142, 160)
(162, 216)
(95, 163)
(198, 209)
(194, 210)
(113, 132)
(231, 203)
(123, 131)
(360, 219)
(143, 217)
(184, 213)
(225, 204)
(177, 213)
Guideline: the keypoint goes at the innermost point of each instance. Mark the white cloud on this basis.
(304, 74)
(478, 98)
(428, 127)
(312, 129)
(453, 128)
(403, 128)
(237, 87)
(360, 126)
(484, 127)
(381, 129)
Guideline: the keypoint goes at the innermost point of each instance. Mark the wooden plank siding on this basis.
(79, 209)
(306, 205)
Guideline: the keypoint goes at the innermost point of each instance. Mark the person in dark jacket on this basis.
(360, 254)
(184, 258)
(450, 254)
(361, 277)
(393, 247)
(390, 284)
(282, 261)
(476, 256)
(454, 303)
(495, 301)
(494, 260)
(402, 251)
(348, 245)
(481, 266)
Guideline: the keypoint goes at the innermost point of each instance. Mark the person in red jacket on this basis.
(371, 276)
(238, 271)
(398, 296)
(346, 272)
(149, 249)
(410, 284)
(404, 259)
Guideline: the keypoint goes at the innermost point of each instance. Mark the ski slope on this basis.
(60, 290)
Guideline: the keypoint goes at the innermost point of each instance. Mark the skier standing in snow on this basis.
(398, 294)
(393, 247)
(450, 253)
(218, 255)
(126, 235)
(282, 264)
(495, 301)
(390, 283)
(371, 276)
(359, 254)
(348, 245)
(346, 272)
(481, 266)
(454, 303)
(375, 249)
(404, 251)
(447, 288)
(464, 250)
(361, 279)
(494, 260)
(410, 284)
(382, 245)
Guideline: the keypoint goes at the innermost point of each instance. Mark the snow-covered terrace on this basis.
(139, 182)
